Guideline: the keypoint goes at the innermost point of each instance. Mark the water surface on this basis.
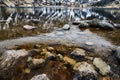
(46, 19)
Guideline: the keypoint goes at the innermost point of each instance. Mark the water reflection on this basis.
(48, 16)
(46, 19)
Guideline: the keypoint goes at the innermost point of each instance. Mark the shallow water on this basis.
(47, 19)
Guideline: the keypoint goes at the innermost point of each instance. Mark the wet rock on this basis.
(89, 58)
(76, 22)
(102, 66)
(40, 77)
(9, 3)
(69, 60)
(29, 59)
(118, 53)
(44, 51)
(10, 56)
(84, 68)
(38, 61)
(66, 27)
(50, 48)
(29, 1)
(83, 24)
(59, 57)
(89, 43)
(27, 70)
(49, 55)
(117, 25)
(86, 77)
(101, 24)
(105, 78)
(28, 27)
(78, 52)
(59, 33)
(34, 52)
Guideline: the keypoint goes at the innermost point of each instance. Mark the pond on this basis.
(46, 19)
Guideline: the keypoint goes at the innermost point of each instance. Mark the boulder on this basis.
(85, 68)
(40, 77)
(10, 56)
(104, 24)
(102, 66)
(78, 52)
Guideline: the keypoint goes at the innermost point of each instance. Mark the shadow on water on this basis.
(47, 19)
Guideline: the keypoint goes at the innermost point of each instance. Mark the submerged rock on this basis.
(40, 77)
(89, 43)
(85, 68)
(102, 66)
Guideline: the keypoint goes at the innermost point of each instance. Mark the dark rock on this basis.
(77, 76)
(83, 24)
(118, 53)
(101, 24)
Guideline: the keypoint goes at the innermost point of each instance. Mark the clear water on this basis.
(47, 19)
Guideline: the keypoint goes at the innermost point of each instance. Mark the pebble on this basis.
(66, 27)
(28, 27)
(102, 66)
(49, 54)
(78, 52)
(69, 60)
(29, 59)
(50, 48)
(38, 61)
(89, 43)
(60, 57)
(89, 58)
(27, 70)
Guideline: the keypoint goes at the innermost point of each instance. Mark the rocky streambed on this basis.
(64, 54)
(80, 48)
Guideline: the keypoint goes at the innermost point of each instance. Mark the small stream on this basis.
(46, 19)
